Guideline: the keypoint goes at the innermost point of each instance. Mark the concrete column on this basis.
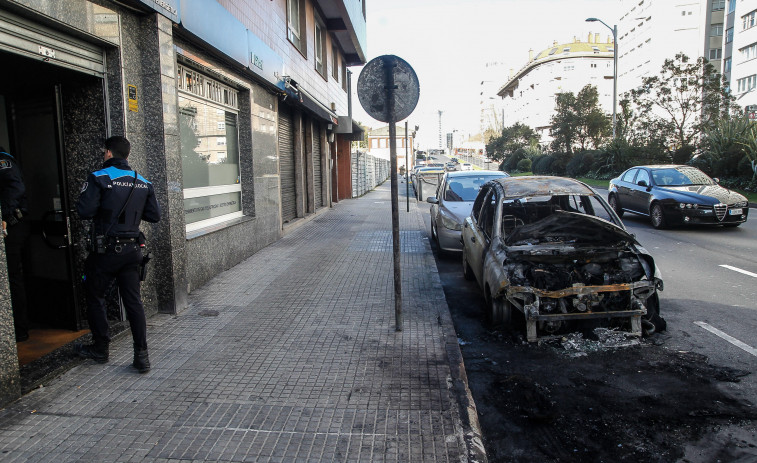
(299, 164)
(10, 382)
(309, 167)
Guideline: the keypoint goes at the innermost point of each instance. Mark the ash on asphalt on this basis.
(579, 401)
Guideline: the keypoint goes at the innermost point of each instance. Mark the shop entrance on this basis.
(44, 121)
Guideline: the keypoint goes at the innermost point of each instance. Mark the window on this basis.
(716, 53)
(643, 176)
(729, 35)
(569, 68)
(344, 75)
(296, 24)
(334, 61)
(320, 49)
(749, 52)
(718, 5)
(208, 122)
(716, 30)
(727, 65)
(593, 65)
(731, 6)
(748, 20)
(629, 175)
(747, 83)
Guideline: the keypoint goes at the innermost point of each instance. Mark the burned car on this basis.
(555, 251)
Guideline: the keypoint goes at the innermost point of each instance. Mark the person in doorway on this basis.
(117, 199)
(16, 234)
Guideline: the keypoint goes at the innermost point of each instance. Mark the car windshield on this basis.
(465, 188)
(680, 176)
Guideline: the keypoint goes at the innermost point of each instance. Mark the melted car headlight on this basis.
(450, 223)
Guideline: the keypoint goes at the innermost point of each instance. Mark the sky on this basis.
(449, 43)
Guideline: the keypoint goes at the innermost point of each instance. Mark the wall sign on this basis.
(132, 94)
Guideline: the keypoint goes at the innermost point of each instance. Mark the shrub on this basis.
(524, 165)
(542, 164)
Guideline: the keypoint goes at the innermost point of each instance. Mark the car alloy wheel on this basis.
(613, 200)
(658, 217)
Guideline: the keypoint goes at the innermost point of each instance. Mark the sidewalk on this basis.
(291, 356)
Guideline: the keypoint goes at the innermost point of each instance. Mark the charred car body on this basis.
(555, 251)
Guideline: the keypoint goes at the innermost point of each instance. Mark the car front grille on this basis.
(720, 211)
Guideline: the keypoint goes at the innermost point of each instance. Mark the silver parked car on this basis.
(452, 204)
(552, 249)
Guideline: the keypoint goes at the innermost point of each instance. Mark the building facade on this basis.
(529, 94)
(379, 143)
(651, 31)
(238, 112)
(740, 53)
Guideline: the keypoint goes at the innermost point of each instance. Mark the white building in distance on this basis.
(651, 31)
(529, 94)
(740, 53)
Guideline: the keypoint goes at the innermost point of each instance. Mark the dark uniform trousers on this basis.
(120, 263)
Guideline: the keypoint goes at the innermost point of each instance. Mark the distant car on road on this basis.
(450, 166)
(555, 251)
(452, 204)
(466, 166)
(676, 195)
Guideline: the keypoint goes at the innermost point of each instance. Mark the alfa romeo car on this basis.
(553, 250)
(676, 195)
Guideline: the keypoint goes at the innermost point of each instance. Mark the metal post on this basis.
(614, 80)
(407, 173)
(390, 87)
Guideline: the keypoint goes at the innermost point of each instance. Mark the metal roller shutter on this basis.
(286, 165)
(317, 172)
(24, 37)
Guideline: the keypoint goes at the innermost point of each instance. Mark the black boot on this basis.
(98, 353)
(141, 360)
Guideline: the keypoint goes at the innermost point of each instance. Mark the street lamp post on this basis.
(614, 30)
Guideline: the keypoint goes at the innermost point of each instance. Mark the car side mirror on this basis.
(716, 180)
(642, 183)
(432, 200)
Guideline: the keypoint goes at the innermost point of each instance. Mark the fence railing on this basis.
(368, 171)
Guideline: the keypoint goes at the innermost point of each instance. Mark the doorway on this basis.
(42, 108)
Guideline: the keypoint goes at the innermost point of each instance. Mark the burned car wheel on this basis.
(658, 216)
(467, 271)
(498, 311)
(652, 322)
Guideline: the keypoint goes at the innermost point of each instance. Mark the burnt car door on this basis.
(625, 189)
(481, 233)
(641, 192)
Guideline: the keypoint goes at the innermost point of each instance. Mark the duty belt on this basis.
(120, 240)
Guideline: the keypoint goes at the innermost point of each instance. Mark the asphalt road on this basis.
(710, 276)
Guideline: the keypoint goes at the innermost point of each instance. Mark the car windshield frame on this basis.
(678, 176)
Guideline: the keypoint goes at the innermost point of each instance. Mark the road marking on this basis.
(745, 347)
(736, 269)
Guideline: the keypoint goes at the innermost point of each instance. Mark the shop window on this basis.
(296, 24)
(209, 120)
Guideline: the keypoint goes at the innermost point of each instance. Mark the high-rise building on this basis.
(740, 53)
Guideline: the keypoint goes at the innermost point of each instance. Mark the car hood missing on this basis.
(572, 229)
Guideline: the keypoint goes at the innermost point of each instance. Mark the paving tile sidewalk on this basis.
(291, 356)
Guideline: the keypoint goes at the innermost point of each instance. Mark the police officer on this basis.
(117, 199)
(15, 230)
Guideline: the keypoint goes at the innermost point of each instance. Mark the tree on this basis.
(578, 121)
(513, 138)
(680, 102)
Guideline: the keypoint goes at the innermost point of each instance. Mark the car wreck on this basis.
(553, 250)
